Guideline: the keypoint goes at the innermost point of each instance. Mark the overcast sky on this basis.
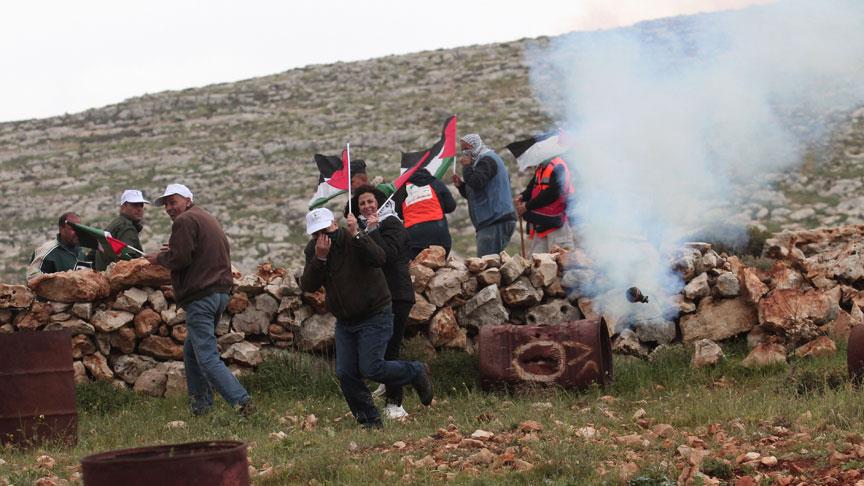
(67, 56)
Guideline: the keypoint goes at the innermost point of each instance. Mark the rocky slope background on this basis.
(245, 149)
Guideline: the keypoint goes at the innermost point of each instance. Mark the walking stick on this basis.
(522, 237)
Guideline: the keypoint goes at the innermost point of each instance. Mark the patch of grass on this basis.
(103, 398)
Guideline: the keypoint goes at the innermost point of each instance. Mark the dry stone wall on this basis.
(126, 327)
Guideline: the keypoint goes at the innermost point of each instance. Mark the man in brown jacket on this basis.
(200, 262)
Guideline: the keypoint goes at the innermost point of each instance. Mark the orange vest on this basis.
(421, 205)
(542, 181)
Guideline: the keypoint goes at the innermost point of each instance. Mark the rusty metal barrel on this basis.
(855, 354)
(216, 463)
(571, 354)
(37, 388)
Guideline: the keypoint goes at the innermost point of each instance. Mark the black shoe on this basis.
(423, 385)
(246, 408)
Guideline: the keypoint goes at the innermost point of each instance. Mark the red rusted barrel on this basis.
(37, 388)
(571, 354)
(217, 463)
(855, 354)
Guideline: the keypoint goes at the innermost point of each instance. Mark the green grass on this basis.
(289, 387)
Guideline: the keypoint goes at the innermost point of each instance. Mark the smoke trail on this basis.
(674, 118)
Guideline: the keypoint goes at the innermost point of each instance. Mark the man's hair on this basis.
(64, 217)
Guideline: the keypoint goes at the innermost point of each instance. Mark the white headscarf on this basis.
(477, 145)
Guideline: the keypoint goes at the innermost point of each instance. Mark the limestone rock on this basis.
(274, 288)
(178, 332)
(727, 285)
(123, 339)
(290, 303)
(484, 308)
(783, 277)
(82, 346)
(555, 290)
(821, 346)
(655, 329)
(267, 304)
(238, 302)
(697, 288)
(443, 328)
(475, 265)
(279, 333)
(131, 300)
(251, 321)
(420, 276)
(34, 318)
(146, 322)
(75, 325)
(797, 313)
(98, 367)
(161, 347)
(627, 343)
(765, 354)
(586, 307)
(111, 320)
(513, 269)
(229, 339)
(15, 297)
(178, 317)
(551, 313)
(521, 294)
(251, 284)
(71, 286)
(244, 353)
(129, 367)
(157, 300)
(706, 353)
(136, 273)
(317, 299)
(459, 342)
(490, 276)
(433, 257)
(688, 263)
(544, 270)
(754, 288)
(421, 311)
(175, 378)
(84, 310)
(718, 320)
(103, 343)
(492, 261)
(683, 305)
(80, 373)
(446, 284)
(151, 382)
(317, 333)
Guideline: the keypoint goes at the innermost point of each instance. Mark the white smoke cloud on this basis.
(673, 118)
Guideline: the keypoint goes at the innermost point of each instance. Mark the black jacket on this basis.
(352, 276)
(392, 237)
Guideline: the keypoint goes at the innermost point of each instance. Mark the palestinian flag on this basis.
(538, 149)
(440, 157)
(102, 240)
(403, 178)
(332, 179)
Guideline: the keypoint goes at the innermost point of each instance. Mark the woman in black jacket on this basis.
(386, 229)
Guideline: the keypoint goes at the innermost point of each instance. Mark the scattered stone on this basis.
(98, 367)
(765, 354)
(80, 373)
(244, 353)
(821, 346)
(443, 327)
(111, 320)
(706, 353)
(627, 343)
(129, 367)
(797, 313)
(15, 297)
(151, 382)
(718, 320)
(422, 310)
(754, 288)
(727, 285)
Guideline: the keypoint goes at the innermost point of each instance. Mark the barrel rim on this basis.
(125, 456)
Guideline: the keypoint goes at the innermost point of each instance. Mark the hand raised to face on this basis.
(322, 246)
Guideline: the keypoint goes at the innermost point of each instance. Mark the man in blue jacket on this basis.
(485, 182)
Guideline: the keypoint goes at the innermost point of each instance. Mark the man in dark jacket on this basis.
(60, 254)
(347, 263)
(125, 227)
(423, 203)
(485, 182)
(200, 262)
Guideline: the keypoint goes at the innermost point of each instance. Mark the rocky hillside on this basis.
(245, 149)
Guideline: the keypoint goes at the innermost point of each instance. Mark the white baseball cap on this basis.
(172, 189)
(318, 219)
(132, 196)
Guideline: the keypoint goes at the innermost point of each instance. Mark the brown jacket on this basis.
(198, 257)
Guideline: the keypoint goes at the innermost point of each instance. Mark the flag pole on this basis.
(521, 237)
(348, 151)
(136, 250)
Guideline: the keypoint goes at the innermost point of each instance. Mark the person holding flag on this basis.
(60, 254)
(126, 227)
(485, 182)
(348, 263)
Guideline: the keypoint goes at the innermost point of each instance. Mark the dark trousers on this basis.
(360, 347)
(401, 309)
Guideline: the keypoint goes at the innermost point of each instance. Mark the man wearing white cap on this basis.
(200, 262)
(347, 263)
(126, 227)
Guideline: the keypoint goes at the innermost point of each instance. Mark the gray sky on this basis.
(64, 56)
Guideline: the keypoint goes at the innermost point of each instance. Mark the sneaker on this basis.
(393, 411)
(246, 408)
(423, 385)
(380, 391)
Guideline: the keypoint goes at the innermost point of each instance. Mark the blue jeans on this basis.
(360, 347)
(204, 368)
(492, 239)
